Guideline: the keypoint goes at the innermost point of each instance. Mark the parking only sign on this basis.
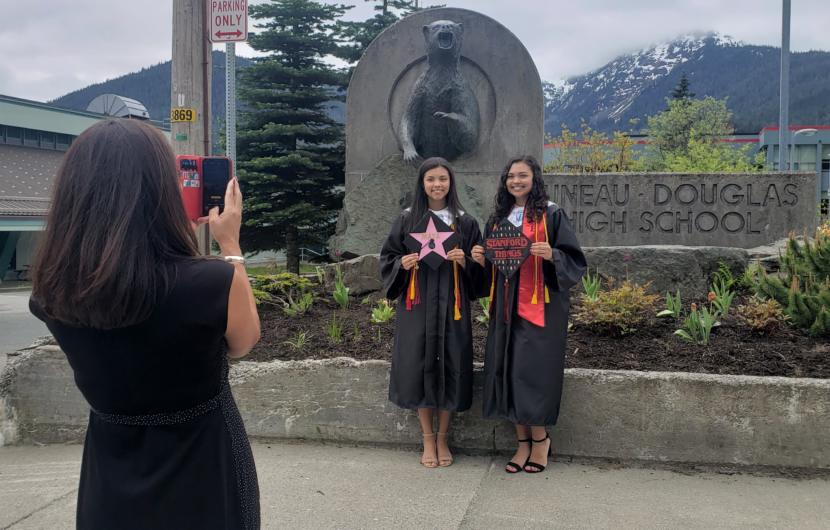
(228, 20)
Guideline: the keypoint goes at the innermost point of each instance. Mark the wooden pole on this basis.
(190, 84)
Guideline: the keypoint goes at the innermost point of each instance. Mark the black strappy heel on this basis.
(513, 467)
(534, 467)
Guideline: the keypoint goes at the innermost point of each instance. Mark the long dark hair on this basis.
(420, 201)
(115, 222)
(537, 199)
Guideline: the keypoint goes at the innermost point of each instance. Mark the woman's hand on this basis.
(457, 255)
(409, 261)
(477, 253)
(542, 249)
(225, 226)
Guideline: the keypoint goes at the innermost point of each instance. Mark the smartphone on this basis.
(216, 173)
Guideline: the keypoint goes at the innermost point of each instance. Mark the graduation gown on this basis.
(432, 357)
(524, 363)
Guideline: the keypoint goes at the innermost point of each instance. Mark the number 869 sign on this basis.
(182, 114)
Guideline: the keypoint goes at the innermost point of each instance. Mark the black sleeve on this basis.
(568, 264)
(391, 272)
(473, 272)
(486, 278)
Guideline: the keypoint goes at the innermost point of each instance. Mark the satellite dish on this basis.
(118, 106)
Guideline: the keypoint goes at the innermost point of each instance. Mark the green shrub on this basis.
(618, 311)
(802, 287)
(674, 307)
(335, 330)
(591, 284)
(697, 326)
(763, 316)
(341, 292)
(383, 312)
(484, 317)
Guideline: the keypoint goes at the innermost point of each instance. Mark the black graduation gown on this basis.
(432, 358)
(524, 364)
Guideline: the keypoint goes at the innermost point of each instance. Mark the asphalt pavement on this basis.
(312, 486)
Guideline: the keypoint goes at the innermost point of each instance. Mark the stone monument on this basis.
(441, 82)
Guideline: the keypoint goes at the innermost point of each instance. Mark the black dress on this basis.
(165, 446)
(432, 358)
(524, 363)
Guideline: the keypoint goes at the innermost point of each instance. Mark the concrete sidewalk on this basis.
(326, 486)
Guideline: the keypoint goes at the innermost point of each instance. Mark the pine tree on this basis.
(681, 91)
(803, 285)
(361, 34)
(290, 153)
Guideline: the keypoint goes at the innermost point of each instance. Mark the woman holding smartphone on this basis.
(147, 325)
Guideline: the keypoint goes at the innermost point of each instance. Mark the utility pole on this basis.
(784, 91)
(190, 86)
(230, 101)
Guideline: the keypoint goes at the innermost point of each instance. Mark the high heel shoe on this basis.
(445, 461)
(512, 467)
(533, 467)
(429, 462)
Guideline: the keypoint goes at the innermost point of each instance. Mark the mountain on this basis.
(631, 86)
(635, 86)
(151, 86)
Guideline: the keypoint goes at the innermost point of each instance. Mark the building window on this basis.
(14, 135)
(31, 138)
(62, 142)
(47, 140)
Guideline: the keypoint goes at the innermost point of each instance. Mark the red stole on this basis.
(531, 304)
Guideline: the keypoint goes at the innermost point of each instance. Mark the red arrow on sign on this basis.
(220, 34)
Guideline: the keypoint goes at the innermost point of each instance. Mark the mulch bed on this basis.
(734, 348)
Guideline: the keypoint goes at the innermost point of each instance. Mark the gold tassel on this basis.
(457, 293)
(412, 285)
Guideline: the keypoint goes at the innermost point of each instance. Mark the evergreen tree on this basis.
(802, 286)
(361, 34)
(290, 153)
(681, 91)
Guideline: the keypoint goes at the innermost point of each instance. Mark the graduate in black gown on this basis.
(525, 357)
(432, 359)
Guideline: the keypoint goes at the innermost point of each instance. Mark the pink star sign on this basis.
(432, 240)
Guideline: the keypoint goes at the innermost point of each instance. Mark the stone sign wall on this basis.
(695, 210)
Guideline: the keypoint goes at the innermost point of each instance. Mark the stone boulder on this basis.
(666, 267)
(361, 275)
(370, 208)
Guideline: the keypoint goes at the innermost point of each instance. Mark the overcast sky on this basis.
(51, 47)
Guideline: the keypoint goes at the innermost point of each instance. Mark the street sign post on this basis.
(228, 20)
(229, 24)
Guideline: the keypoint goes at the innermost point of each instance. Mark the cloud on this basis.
(51, 47)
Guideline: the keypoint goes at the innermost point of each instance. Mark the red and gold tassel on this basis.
(413, 294)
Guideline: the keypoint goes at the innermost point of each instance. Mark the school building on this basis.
(33, 139)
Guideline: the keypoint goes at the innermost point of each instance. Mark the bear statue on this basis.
(442, 115)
